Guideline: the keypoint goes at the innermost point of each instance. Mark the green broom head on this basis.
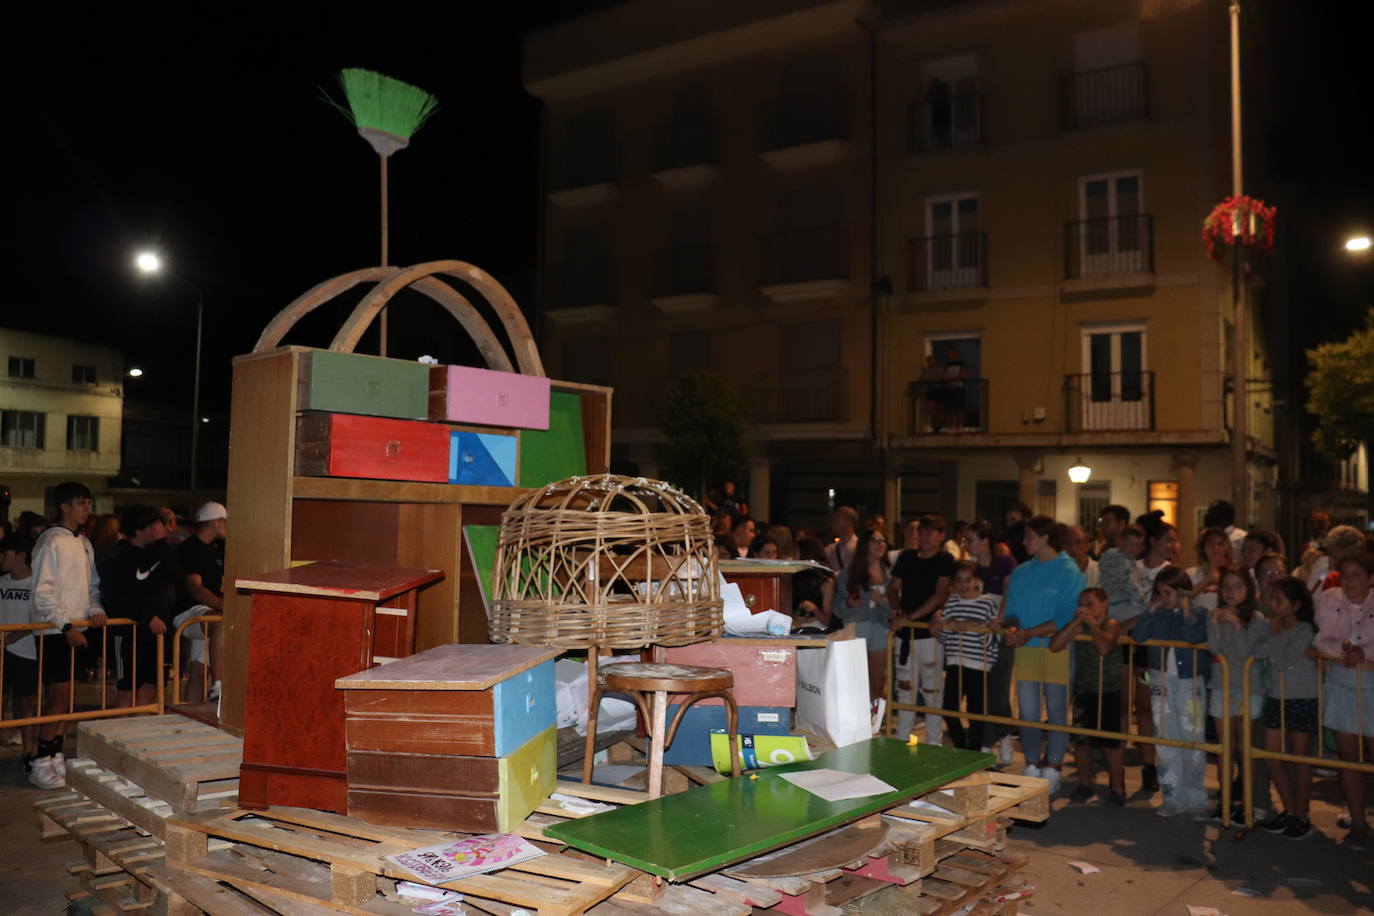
(386, 111)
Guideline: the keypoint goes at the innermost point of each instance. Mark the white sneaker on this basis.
(1052, 776)
(214, 695)
(1169, 809)
(1032, 771)
(59, 763)
(1004, 751)
(44, 774)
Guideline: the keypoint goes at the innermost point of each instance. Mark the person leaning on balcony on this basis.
(1042, 598)
(1345, 636)
(66, 589)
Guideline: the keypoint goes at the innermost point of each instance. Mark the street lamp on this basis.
(150, 262)
(135, 372)
(1080, 472)
(1358, 243)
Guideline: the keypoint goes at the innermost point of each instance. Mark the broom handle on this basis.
(384, 247)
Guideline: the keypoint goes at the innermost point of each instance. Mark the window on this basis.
(953, 248)
(949, 113)
(83, 375)
(949, 395)
(22, 428)
(1092, 499)
(1163, 495)
(1114, 390)
(1109, 82)
(83, 434)
(1113, 237)
(21, 367)
(1047, 498)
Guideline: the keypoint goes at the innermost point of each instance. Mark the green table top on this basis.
(708, 827)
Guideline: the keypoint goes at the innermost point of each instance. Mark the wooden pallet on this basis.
(187, 764)
(327, 860)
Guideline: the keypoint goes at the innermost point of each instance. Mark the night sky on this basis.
(212, 145)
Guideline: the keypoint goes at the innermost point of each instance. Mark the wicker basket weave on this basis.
(608, 561)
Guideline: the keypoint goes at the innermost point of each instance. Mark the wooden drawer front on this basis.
(526, 705)
(453, 735)
(692, 744)
(354, 383)
(524, 780)
(463, 394)
(482, 459)
(764, 675)
(343, 445)
(764, 592)
(443, 774)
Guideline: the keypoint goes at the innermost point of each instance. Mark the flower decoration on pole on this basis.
(1239, 220)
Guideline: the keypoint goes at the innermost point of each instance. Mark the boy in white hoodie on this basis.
(66, 589)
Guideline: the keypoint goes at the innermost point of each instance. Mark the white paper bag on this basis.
(832, 691)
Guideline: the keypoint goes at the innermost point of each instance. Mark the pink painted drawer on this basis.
(463, 394)
(764, 675)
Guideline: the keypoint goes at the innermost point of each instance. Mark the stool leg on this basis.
(657, 727)
(589, 748)
(732, 729)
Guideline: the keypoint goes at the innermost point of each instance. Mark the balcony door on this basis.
(949, 115)
(952, 389)
(1115, 393)
(1112, 235)
(953, 253)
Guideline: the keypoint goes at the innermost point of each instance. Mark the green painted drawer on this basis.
(354, 383)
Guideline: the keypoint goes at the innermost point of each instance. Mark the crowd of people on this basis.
(75, 572)
(1055, 615)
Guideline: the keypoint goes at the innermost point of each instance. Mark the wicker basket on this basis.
(607, 561)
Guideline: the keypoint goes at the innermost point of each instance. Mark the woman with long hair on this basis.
(1235, 629)
(862, 587)
(1290, 703)
(1214, 555)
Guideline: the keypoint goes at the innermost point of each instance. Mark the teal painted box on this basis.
(371, 385)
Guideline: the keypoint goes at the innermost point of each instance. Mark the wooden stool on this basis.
(636, 679)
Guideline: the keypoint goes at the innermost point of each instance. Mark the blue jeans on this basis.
(1056, 713)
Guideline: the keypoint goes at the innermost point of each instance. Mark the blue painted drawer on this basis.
(692, 744)
(486, 459)
(523, 706)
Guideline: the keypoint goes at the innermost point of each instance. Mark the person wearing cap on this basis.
(202, 592)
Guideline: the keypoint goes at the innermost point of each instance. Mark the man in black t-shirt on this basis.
(202, 592)
(919, 587)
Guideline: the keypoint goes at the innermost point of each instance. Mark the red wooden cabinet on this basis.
(345, 445)
(310, 626)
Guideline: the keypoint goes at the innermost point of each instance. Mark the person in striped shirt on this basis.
(970, 652)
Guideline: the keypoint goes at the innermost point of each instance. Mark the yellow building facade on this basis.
(812, 201)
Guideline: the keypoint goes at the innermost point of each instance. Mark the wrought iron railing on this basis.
(947, 405)
(945, 122)
(1105, 95)
(940, 262)
(1109, 401)
(802, 396)
(1102, 247)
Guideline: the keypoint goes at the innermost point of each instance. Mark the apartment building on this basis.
(944, 250)
(61, 405)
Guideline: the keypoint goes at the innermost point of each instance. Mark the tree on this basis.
(1341, 392)
(703, 424)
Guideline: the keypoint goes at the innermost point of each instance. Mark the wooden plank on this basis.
(739, 819)
(831, 850)
(400, 491)
(333, 579)
(428, 534)
(451, 667)
(105, 788)
(747, 893)
(262, 432)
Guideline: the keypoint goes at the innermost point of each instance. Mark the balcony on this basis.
(804, 130)
(948, 268)
(1113, 254)
(685, 279)
(583, 178)
(947, 406)
(1109, 401)
(802, 396)
(804, 264)
(947, 122)
(1096, 97)
(580, 293)
(686, 155)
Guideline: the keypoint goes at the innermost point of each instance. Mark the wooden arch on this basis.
(391, 280)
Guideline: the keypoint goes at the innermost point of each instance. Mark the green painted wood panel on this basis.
(355, 383)
(708, 827)
(560, 451)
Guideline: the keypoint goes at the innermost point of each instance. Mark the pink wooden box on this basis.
(463, 394)
(765, 675)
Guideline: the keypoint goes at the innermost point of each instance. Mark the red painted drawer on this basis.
(764, 675)
(346, 445)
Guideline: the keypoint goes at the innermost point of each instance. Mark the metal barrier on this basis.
(1252, 753)
(204, 620)
(104, 710)
(1223, 748)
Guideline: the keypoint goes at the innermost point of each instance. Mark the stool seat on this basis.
(660, 676)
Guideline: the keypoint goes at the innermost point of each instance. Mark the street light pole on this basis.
(195, 405)
(1240, 465)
